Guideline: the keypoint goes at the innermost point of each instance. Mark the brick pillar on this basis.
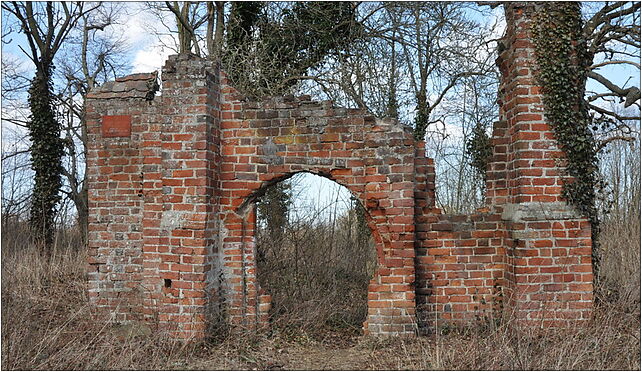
(496, 180)
(549, 247)
(181, 230)
(117, 128)
(424, 179)
(246, 305)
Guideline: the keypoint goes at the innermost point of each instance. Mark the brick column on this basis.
(153, 182)
(549, 249)
(181, 231)
(496, 174)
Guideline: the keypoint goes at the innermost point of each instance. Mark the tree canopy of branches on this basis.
(272, 210)
(611, 31)
(101, 59)
(87, 54)
(428, 64)
(410, 57)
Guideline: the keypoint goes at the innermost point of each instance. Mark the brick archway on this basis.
(248, 304)
(265, 142)
(244, 208)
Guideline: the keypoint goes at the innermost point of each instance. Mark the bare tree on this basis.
(188, 19)
(90, 53)
(16, 176)
(101, 51)
(462, 154)
(410, 54)
(196, 25)
(215, 28)
(612, 32)
(46, 27)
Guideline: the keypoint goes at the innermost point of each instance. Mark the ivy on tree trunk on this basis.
(46, 156)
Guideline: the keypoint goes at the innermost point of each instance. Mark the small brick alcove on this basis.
(172, 178)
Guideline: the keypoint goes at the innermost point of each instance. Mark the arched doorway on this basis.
(315, 255)
(263, 143)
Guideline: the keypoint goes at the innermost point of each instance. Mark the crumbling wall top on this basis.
(141, 85)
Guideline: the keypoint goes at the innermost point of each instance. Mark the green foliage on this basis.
(309, 31)
(272, 210)
(46, 155)
(563, 62)
(392, 105)
(421, 119)
(363, 233)
(267, 55)
(244, 15)
(479, 150)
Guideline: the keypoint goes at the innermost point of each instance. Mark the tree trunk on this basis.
(81, 202)
(209, 36)
(421, 120)
(220, 26)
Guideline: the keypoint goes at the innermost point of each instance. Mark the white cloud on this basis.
(135, 30)
(150, 59)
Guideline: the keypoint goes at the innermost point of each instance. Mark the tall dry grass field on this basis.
(619, 281)
(318, 275)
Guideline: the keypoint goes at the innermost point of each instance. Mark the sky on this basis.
(148, 55)
(145, 53)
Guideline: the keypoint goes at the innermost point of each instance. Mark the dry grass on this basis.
(318, 276)
(620, 259)
(47, 324)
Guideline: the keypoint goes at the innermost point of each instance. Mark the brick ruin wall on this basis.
(173, 178)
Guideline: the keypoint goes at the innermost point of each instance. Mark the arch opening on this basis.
(315, 255)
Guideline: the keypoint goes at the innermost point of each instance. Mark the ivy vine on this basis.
(47, 150)
(479, 151)
(562, 64)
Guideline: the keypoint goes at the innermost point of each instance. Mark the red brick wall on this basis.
(181, 231)
(172, 219)
(460, 258)
(115, 166)
(548, 255)
(528, 252)
(201, 158)
(153, 198)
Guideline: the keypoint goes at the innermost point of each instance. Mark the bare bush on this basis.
(47, 323)
(619, 280)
